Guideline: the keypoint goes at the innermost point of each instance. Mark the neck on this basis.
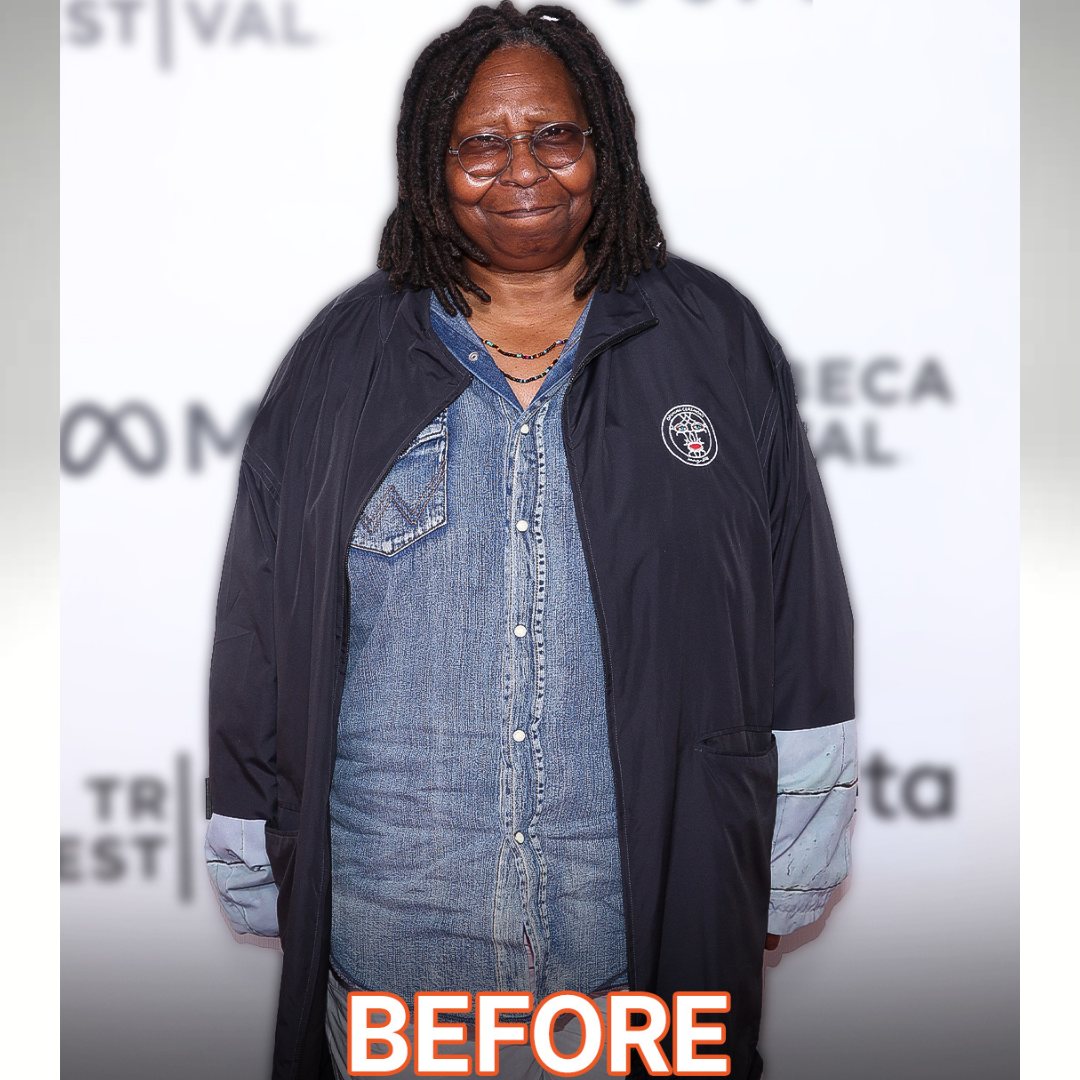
(528, 311)
(524, 303)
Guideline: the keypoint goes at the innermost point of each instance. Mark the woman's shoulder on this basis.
(330, 352)
(350, 307)
(684, 290)
(682, 281)
(358, 316)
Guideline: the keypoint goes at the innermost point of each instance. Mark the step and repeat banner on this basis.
(228, 166)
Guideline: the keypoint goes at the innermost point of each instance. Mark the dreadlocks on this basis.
(423, 245)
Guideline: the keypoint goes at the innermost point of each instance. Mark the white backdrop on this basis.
(852, 166)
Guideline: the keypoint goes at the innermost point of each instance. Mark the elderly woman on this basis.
(531, 604)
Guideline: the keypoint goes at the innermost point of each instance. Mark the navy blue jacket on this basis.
(719, 594)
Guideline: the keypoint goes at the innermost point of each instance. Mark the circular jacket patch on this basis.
(688, 433)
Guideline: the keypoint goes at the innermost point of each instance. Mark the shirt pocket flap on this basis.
(411, 501)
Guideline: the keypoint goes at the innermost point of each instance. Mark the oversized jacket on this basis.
(718, 590)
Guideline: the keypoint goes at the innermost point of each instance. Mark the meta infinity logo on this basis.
(136, 434)
(168, 26)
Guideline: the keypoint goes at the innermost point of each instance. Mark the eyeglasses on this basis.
(487, 155)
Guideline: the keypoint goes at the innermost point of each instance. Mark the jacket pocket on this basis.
(740, 769)
(411, 502)
(716, 884)
(738, 742)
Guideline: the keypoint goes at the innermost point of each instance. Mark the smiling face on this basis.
(528, 218)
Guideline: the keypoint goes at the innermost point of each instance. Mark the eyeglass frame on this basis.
(514, 138)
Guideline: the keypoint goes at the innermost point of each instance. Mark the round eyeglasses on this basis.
(487, 155)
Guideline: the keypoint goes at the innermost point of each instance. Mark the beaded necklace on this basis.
(528, 356)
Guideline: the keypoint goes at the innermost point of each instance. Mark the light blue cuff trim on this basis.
(811, 851)
(240, 873)
(790, 911)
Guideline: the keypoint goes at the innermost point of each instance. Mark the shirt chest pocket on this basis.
(411, 501)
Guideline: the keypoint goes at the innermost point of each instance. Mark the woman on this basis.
(530, 581)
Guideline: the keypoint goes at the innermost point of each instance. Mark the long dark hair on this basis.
(422, 245)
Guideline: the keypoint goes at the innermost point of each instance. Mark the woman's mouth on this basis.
(526, 212)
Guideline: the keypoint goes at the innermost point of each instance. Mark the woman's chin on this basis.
(531, 254)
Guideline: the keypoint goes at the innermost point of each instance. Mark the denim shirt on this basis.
(473, 822)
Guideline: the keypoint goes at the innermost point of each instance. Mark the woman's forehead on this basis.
(520, 85)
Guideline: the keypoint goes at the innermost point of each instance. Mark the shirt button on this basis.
(519, 837)
(522, 526)
(474, 356)
(519, 735)
(520, 631)
(524, 429)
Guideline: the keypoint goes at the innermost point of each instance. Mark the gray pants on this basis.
(515, 1062)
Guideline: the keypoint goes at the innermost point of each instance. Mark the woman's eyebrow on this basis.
(530, 120)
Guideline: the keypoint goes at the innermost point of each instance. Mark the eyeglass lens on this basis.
(554, 146)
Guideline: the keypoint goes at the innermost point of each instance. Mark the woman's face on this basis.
(528, 217)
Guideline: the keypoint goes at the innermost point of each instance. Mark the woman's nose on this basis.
(523, 168)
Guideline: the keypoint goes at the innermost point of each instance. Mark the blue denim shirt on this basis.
(473, 804)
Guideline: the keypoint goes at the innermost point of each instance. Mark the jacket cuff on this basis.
(790, 910)
(811, 850)
(240, 872)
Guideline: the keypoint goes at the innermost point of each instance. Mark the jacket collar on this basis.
(613, 317)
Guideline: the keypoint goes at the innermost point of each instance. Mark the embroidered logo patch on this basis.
(688, 433)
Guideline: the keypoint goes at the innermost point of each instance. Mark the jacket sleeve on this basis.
(813, 677)
(243, 707)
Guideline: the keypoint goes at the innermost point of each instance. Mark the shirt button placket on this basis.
(522, 524)
(521, 586)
